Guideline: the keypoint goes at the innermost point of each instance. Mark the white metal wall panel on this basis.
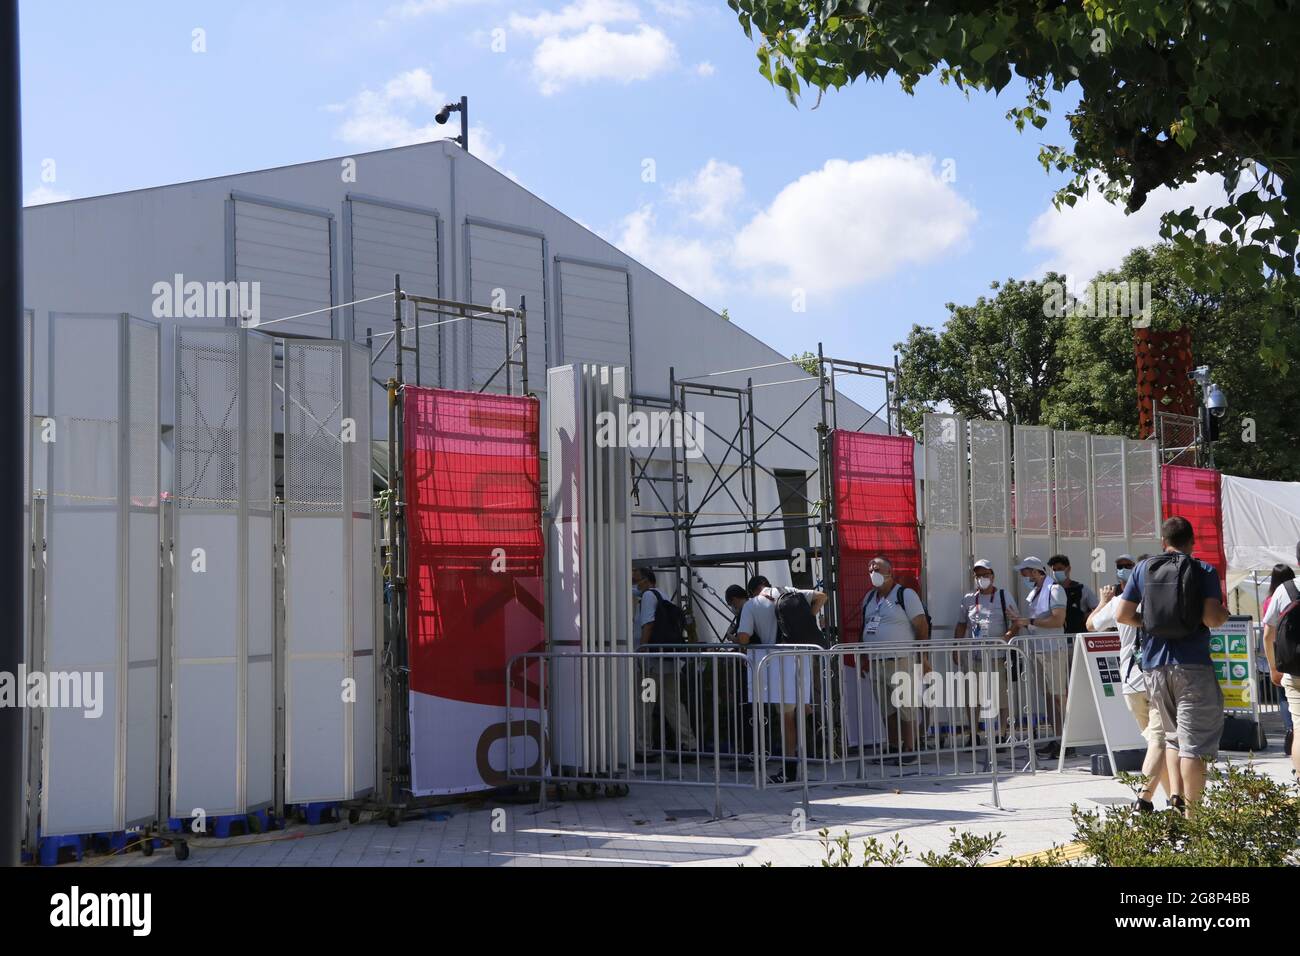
(590, 554)
(1109, 500)
(329, 690)
(1072, 477)
(595, 313)
(223, 704)
(288, 250)
(504, 266)
(386, 239)
(1033, 491)
(947, 559)
(100, 773)
(990, 494)
(1142, 474)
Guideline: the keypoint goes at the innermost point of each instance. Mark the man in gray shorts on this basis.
(1180, 674)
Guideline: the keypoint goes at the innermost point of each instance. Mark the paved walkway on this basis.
(672, 826)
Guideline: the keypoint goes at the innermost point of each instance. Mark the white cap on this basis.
(1033, 563)
(984, 563)
(1126, 557)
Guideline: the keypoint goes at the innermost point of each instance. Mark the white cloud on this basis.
(1094, 235)
(401, 114)
(705, 68)
(852, 222)
(597, 54)
(689, 263)
(674, 9)
(43, 194)
(576, 16)
(712, 194)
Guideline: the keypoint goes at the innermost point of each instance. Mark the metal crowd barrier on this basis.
(1045, 683)
(729, 716)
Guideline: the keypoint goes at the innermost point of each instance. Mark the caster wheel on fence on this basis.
(615, 790)
(354, 816)
(586, 790)
(181, 849)
(147, 846)
(394, 818)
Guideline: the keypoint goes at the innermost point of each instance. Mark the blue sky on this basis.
(872, 210)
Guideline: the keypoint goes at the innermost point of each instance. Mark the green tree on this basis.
(1098, 391)
(996, 359)
(1014, 357)
(808, 362)
(1168, 90)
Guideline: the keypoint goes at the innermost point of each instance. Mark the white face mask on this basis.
(877, 579)
(983, 583)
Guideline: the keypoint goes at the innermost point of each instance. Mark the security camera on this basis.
(444, 114)
(1216, 402)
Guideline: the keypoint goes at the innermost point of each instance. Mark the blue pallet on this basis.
(318, 813)
(223, 825)
(50, 847)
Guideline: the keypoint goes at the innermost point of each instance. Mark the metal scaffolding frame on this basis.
(687, 513)
(395, 768)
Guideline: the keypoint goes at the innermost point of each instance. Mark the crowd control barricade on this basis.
(676, 714)
(888, 710)
(1044, 683)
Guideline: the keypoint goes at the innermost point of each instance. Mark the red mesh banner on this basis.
(475, 540)
(875, 515)
(1197, 495)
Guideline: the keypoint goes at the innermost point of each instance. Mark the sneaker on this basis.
(1051, 751)
(1144, 806)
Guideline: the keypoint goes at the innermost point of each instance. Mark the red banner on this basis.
(1197, 495)
(875, 515)
(474, 582)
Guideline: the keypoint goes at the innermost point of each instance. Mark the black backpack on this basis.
(1076, 622)
(1286, 646)
(670, 621)
(1172, 599)
(795, 621)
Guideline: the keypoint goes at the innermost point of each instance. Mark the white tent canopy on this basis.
(1261, 525)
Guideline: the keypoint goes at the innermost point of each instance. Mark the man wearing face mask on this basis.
(1045, 614)
(891, 614)
(1079, 599)
(987, 612)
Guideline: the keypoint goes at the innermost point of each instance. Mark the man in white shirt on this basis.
(1285, 595)
(758, 625)
(985, 613)
(1045, 615)
(663, 672)
(893, 614)
(1135, 685)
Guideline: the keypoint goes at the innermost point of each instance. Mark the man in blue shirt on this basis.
(1180, 676)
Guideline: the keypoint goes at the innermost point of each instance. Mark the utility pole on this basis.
(13, 429)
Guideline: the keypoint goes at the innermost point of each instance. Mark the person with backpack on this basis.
(1282, 646)
(660, 621)
(772, 616)
(1079, 599)
(1045, 615)
(892, 613)
(1181, 599)
(1135, 685)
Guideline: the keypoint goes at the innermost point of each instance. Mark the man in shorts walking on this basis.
(1181, 600)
